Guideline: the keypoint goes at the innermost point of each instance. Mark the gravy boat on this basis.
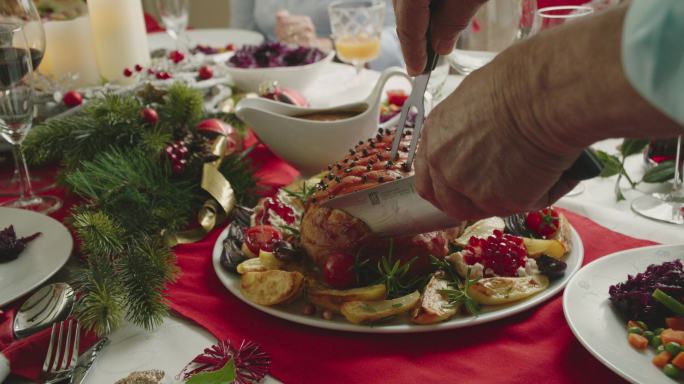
(310, 145)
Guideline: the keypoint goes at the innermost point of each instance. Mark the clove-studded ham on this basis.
(326, 231)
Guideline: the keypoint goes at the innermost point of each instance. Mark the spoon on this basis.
(50, 304)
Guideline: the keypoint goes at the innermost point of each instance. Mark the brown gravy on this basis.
(333, 115)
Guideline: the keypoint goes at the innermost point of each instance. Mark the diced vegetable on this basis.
(671, 371)
(676, 323)
(655, 341)
(673, 348)
(670, 302)
(637, 341)
(662, 359)
(670, 335)
(678, 361)
(636, 330)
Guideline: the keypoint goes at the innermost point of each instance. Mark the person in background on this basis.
(306, 22)
(500, 143)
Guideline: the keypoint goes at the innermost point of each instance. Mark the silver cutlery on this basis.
(86, 361)
(60, 360)
(50, 304)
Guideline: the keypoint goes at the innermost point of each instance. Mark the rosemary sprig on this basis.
(458, 293)
(303, 195)
(395, 275)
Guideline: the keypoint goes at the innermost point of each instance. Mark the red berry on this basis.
(163, 75)
(261, 238)
(176, 56)
(127, 72)
(138, 68)
(151, 71)
(206, 73)
(500, 254)
(230, 47)
(339, 270)
(150, 116)
(72, 99)
(543, 223)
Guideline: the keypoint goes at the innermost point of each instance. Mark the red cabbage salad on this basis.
(274, 54)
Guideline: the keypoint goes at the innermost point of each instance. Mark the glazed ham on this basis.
(325, 231)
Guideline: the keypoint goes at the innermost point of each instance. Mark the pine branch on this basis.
(100, 235)
(182, 110)
(238, 170)
(100, 305)
(145, 270)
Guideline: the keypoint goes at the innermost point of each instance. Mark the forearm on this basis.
(568, 88)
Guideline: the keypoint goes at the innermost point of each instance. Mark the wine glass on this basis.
(496, 26)
(17, 110)
(356, 28)
(25, 13)
(550, 17)
(174, 15)
(667, 207)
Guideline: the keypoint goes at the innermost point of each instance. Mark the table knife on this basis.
(86, 361)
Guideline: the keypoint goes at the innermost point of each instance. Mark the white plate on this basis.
(41, 259)
(598, 327)
(212, 37)
(293, 312)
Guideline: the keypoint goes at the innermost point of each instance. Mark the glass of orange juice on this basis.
(356, 29)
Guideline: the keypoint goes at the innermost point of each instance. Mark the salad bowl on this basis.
(295, 77)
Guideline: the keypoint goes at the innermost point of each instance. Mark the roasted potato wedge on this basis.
(505, 290)
(433, 307)
(333, 299)
(482, 228)
(271, 287)
(269, 260)
(359, 312)
(564, 234)
(537, 247)
(251, 265)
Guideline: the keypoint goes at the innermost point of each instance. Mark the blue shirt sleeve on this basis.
(653, 53)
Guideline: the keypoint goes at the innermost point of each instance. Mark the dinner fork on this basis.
(59, 366)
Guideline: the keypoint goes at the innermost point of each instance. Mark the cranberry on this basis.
(138, 68)
(205, 73)
(163, 75)
(261, 238)
(339, 270)
(283, 211)
(150, 116)
(177, 153)
(176, 56)
(72, 99)
(502, 253)
(127, 72)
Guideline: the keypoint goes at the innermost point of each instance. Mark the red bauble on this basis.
(138, 68)
(72, 99)
(150, 116)
(218, 127)
(205, 73)
(271, 90)
(176, 56)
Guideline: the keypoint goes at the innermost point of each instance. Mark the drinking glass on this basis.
(174, 15)
(549, 17)
(496, 26)
(667, 207)
(356, 29)
(25, 13)
(17, 110)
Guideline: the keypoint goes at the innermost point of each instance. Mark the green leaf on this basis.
(224, 375)
(632, 146)
(611, 164)
(660, 173)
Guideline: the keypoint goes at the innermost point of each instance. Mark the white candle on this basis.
(69, 51)
(119, 36)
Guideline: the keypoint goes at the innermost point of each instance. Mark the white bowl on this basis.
(311, 145)
(297, 77)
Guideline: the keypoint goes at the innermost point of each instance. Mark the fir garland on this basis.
(113, 159)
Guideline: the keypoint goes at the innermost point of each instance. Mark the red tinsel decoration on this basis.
(251, 363)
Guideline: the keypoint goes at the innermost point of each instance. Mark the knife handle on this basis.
(432, 57)
(587, 166)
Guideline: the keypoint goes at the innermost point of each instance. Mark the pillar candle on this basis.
(69, 51)
(119, 36)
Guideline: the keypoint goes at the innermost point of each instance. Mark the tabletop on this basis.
(177, 341)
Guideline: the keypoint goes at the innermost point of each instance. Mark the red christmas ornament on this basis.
(138, 68)
(176, 56)
(150, 116)
(252, 364)
(127, 72)
(206, 73)
(271, 90)
(218, 127)
(72, 99)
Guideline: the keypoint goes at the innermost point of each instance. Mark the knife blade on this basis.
(395, 208)
(86, 361)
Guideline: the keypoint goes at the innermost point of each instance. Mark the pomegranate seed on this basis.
(501, 253)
